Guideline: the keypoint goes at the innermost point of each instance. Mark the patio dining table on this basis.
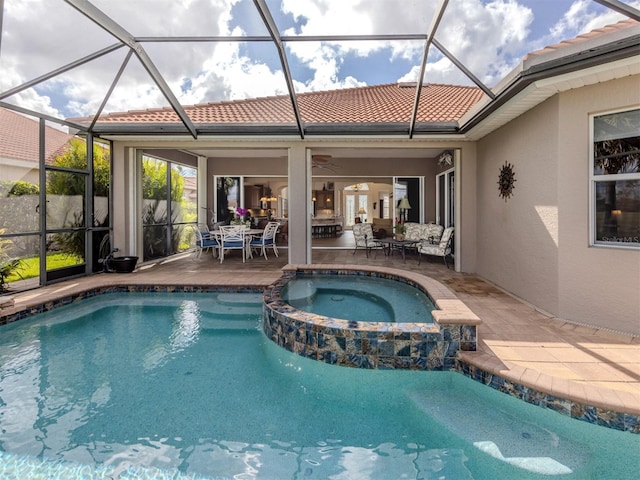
(392, 243)
(249, 233)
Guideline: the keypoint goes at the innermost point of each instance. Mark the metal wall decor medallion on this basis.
(506, 179)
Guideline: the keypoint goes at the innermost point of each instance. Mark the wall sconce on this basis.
(616, 212)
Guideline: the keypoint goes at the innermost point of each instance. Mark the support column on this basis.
(123, 200)
(299, 205)
(203, 180)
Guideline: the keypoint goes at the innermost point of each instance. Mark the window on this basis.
(615, 174)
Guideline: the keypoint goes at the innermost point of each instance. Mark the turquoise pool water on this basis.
(358, 298)
(186, 386)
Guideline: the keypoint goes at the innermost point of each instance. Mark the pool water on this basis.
(358, 298)
(186, 386)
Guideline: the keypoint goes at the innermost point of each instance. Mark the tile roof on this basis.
(580, 39)
(19, 137)
(390, 103)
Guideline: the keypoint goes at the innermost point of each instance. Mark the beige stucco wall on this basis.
(517, 237)
(596, 284)
(466, 222)
(536, 243)
(13, 170)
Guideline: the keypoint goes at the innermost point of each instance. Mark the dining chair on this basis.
(233, 237)
(266, 240)
(205, 240)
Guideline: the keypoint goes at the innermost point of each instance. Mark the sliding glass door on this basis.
(445, 197)
(169, 206)
(408, 198)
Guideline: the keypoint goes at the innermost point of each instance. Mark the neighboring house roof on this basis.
(390, 103)
(20, 138)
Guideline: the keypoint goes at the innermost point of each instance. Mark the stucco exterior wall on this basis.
(597, 285)
(466, 221)
(518, 236)
(13, 170)
(536, 243)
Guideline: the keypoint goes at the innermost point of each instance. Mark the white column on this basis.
(203, 178)
(299, 201)
(124, 200)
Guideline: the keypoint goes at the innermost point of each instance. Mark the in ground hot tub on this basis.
(403, 344)
(364, 298)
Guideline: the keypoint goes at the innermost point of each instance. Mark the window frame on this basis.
(594, 179)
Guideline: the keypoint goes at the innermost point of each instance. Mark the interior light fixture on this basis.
(268, 195)
(404, 206)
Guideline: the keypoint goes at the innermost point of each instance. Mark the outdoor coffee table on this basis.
(392, 243)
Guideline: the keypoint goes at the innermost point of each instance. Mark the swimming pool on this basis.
(186, 386)
(358, 298)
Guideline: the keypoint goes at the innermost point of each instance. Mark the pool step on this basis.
(239, 298)
(508, 436)
(228, 321)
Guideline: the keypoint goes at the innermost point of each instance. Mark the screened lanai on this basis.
(179, 78)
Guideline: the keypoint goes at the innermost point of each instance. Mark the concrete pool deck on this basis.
(516, 342)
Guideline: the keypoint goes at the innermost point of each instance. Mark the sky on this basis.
(489, 36)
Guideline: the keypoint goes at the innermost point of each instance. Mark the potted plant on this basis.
(400, 230)
(241, 217)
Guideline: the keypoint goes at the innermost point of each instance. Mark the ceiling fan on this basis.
(322, 161)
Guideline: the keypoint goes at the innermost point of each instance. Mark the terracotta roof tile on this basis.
(19, 137)
(598, 32)
(388, 103)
